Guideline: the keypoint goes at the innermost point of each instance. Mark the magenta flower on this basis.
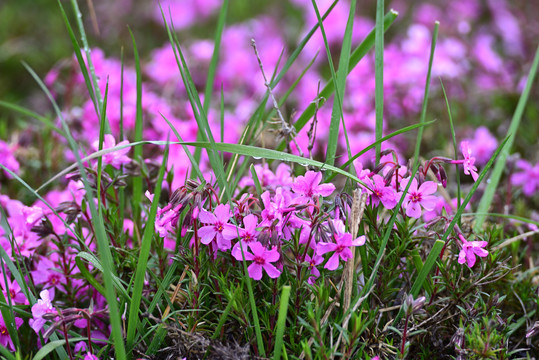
(48, 274)
(308, 186)
(341, 246)
(528, 177)
(470, 249)
(313, 262)
(90, 356)
(5, 339)
(247, 235)
(419, 197)
(8, 159)
(261, 258)
(218, 227)
(41, 307)
(15, 292)
(468, 161)
(116, 158)
(382, 193)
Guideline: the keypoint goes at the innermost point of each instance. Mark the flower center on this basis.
(259, 260)
(415, 197)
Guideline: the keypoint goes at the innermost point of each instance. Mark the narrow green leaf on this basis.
(379, 75)
(215, 56)
(23, 111)
(140, 272)
(281, 322)
(488, 195)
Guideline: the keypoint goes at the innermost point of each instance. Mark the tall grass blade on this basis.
(494, 179)
(281, 322)
(379, 76)
(140, 272)
(215, 56)
(99, 228)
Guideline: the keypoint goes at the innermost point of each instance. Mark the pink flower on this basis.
(17, 296)
(41, 307)
(341, 246)
(247, 235)
(218, 227)
(483, 145)
(115, 158)
(5, 339)
(313, 262)
(308, 186)
(417, 197)
(528, 177)
(470, 249)
(90, 356)
(468, 162)
(8, 159)
(382, 193)
(261, 258)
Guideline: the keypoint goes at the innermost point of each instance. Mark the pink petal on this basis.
(206, 234)
(333, 262)
(413, 210)
(222, 212)
(272, 255)
(462, 256)
(207, 217)
(271, 270)
(322, 248)
(257, 248)
(359, 241)
(428, 187)
(471, 258)
(429, 202)
(480, 252)
(325, 189)
(255, 271)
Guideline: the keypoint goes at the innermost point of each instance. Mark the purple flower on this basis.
(261, 258)
(470, 249)
(417, 197)
(90, 356)
(309, 187)
(382, 193)
(8, 159)
(247, 235)
(468, 162)
(41, 307)
(528, 177)
(218, 227)
(483, 144)
(341, 246)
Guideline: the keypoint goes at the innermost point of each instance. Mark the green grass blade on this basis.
(215, 56)
(140, 272)
(488, 195)
(21, 110)
(7, 354)
(373, 145)
(379, 75)
(328, 89)
(99, 228)
(426, 95)
(438, 246)
(137, 152)
(338, 79)
(454, 138)
(281, 322)
(224, 315)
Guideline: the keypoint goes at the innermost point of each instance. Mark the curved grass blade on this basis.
(281, 322)
(379, 76)
(488, 195)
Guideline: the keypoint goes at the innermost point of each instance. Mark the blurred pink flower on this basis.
(5, 339)
(115, 158)
(41, 307)
(528, 177)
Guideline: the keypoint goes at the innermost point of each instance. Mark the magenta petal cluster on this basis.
(5, 339)
(471, 249)
(217, 227)
(418, 197)
(382, 193)
(309, 186)
(527, 177)
(261, 258)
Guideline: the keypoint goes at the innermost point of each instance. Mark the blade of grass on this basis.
(439, 244)
(215, 56)
(224, 315)
(379, 76)
(136, 196)
(140, 272)
(21, 110)
(281, 322)
(373, 145)
(328, 89)
(454, 138)
(99, 228)
(488, 195)
(426, 95)
(338, 79)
